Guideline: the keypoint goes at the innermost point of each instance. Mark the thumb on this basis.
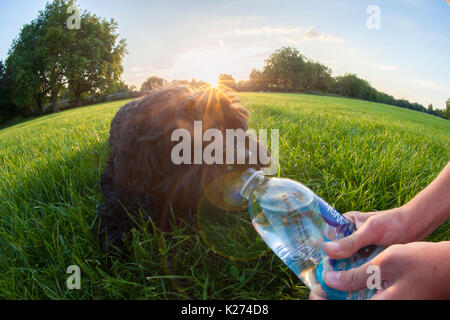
(349, 280)
(348, 246)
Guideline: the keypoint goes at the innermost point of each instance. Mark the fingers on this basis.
(349, 280)
(313, 296)
(348, 246)
(358, 218)
(386, 294)
(351, 216)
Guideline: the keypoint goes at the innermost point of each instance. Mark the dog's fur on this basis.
(140, 176)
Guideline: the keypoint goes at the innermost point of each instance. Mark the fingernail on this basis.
(333, 247)
(332, 277)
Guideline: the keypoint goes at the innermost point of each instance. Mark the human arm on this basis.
(412, 222)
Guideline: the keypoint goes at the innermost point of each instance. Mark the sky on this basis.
(408, 56)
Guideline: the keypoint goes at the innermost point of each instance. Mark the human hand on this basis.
(413, 221)
(418, 270)
(383, 228)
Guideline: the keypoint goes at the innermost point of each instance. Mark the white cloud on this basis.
(424, 83)
(140, 74)
(136, 69)
(431, 85)
(312, 34)
(216, 49)
(266, 30)
(289, 34)
(384, 67)
(207, 64)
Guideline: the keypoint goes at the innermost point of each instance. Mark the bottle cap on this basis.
(248, 178)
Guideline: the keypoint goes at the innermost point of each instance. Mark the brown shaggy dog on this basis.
(140, 177)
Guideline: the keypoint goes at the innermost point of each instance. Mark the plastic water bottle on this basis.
(294, 222)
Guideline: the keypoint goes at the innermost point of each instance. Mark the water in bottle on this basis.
(294, 222)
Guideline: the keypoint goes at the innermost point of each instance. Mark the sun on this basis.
(216, 83)
(206, 64)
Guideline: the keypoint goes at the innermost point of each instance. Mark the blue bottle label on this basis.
(333, 218)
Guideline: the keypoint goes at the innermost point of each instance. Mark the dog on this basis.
(140, 179)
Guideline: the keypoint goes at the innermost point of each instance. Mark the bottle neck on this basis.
(251, 179)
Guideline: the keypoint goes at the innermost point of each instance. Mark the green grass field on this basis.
(357, 155)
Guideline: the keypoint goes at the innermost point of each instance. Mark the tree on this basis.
(6, 104)
(3, 91)
(52, 43)
(287, 70)
(152, 83)
(227, 81)
(178, 83)
(258, 80)
(283, 67)
(93, 59)
(315, 77)
(351, 86)
(26, 67)
(47, 55)
(446, 112)
(36, 57)
(198, 84)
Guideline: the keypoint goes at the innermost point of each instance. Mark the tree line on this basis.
(48, 59)
(286, 70)
(155, 82)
